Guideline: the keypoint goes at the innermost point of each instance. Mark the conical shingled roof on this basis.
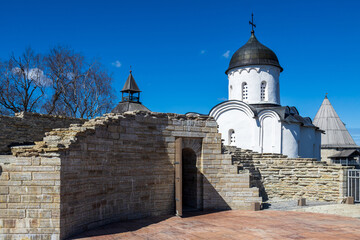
(336, 135)
(130, 85)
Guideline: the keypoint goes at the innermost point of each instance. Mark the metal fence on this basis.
(353, 184)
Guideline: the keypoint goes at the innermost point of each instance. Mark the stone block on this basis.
(36, 161)
(9, 223)
(36, 198)
(14, 198)
(51, 190)
(20, 176)
(4, 176)
(54, 161)
(24, 190)
(23, 161)
(3, 198)
(39, 183)
(50, 206)
(4, 190)
(38, 168)
(349, 200)
(302, 202)
(11, 168)
(12, 213)
(46, 176)
(24, 205)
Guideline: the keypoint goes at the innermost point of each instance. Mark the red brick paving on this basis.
(234, 224)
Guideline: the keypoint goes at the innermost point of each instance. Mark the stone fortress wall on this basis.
(279, 177)
(111, 168)
(122, 166)
(25, 128)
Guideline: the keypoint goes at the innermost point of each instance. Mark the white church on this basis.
(252, 117)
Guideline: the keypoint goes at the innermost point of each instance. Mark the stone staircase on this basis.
(248, 162)
(234, 185)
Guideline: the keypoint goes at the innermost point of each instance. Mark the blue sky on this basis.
(180, 50)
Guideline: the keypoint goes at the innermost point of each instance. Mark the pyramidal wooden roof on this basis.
(336, 134)
(130, 85)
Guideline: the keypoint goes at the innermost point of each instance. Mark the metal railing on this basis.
(353, 184)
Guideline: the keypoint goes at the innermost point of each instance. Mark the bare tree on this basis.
(79, 88)
(22, 82)
(62, 82)
(58, 65)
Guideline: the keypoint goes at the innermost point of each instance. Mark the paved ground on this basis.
(234, 224)
(286, 205)
(346, 210)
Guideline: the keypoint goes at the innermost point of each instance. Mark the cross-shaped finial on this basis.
(252, 23)
(130, 69)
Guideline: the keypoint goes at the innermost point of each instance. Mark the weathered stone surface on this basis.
(26, 128)
(290, 178)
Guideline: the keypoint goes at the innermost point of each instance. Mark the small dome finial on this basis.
(326, 95)
(252, 23)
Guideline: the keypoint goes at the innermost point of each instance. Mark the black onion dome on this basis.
(253, 53)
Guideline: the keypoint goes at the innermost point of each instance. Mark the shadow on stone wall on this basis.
(256, 181)
(255, 174)
(212, 199)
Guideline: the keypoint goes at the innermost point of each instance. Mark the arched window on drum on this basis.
(263, 95)
(245, 95)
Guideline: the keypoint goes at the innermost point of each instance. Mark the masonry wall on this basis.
(25, 128)
(279, 177)
(120, 167)
(29, 197)
(123, 169)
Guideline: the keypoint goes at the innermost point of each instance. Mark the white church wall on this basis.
(237, 119)
(253, 76)
(242, 127)
(290, 140)
(270, 132)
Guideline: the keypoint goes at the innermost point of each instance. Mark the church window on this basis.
(263, 91)
(245, 91)
(231, 137)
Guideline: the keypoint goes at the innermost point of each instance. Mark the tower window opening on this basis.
(245, 91)
(263, 91)
(231, 137)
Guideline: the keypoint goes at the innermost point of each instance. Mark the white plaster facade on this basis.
(264, 131)
(254, 77)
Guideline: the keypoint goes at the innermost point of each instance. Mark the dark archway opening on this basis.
(189, 176)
